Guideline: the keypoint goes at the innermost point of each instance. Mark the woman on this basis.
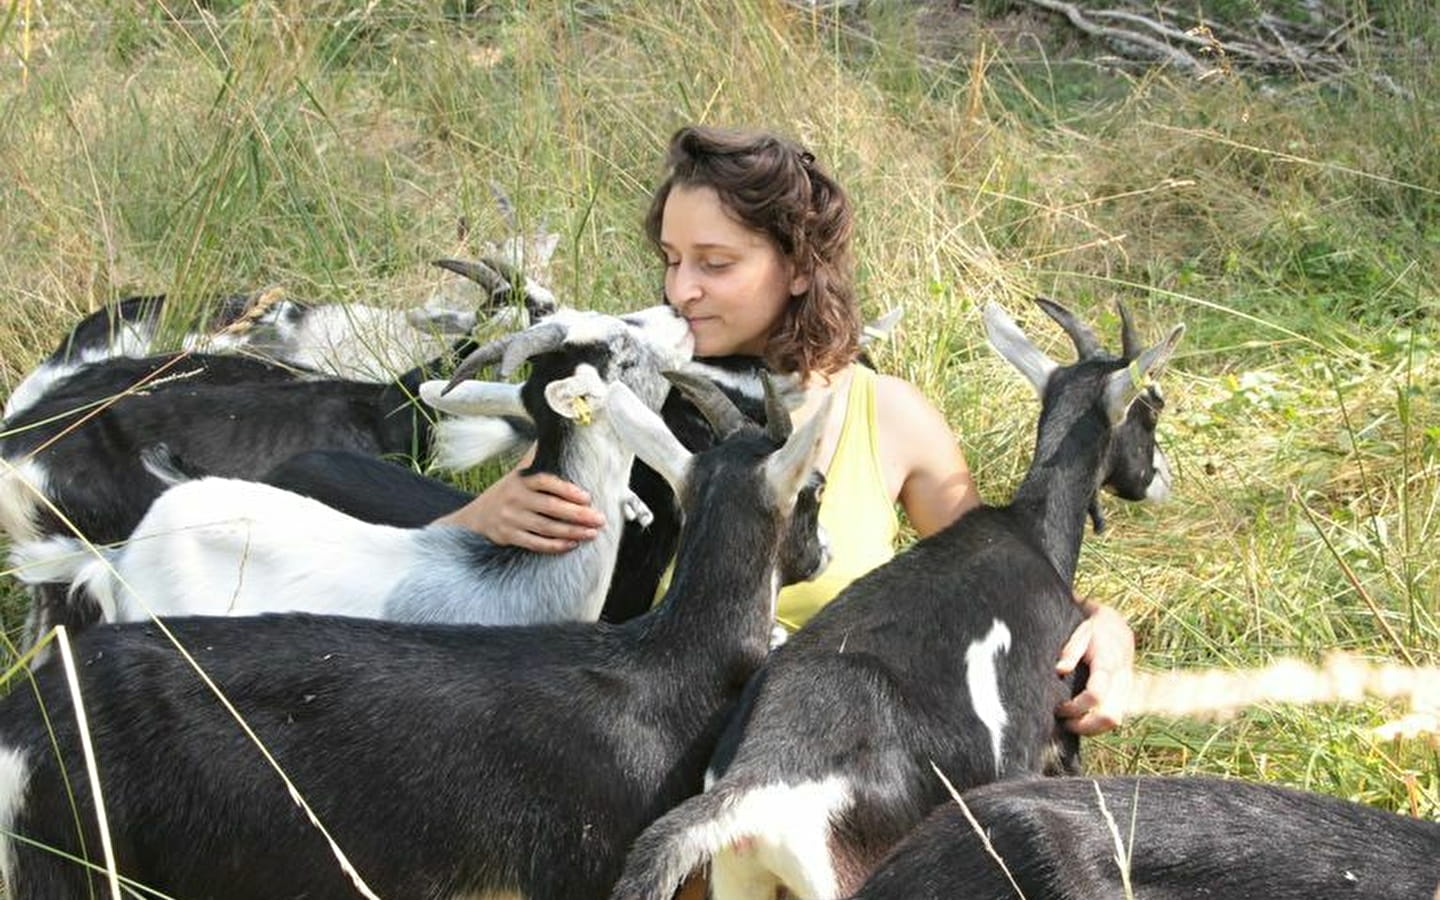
(756, 242)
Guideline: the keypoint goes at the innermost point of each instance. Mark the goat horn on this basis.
(533, 341)
(1129, 342)
(483, 273)
(724, 418)
(777, 417)
(485, 355)
(1086, 344)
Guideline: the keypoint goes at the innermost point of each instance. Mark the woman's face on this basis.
(730, 282)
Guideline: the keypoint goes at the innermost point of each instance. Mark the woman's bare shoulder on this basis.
(898, 403)
(922, 458)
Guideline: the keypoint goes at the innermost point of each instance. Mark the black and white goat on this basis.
(376, 491)
(70, 463)
(446, 761)
(1161, 838)
(353, 341)
(945, 654)
(80, 444)
(221, 546)
(127, 328)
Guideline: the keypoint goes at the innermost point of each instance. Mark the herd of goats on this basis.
(279, 677)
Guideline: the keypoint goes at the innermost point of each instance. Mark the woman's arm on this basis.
(924, 467)
(540, 512)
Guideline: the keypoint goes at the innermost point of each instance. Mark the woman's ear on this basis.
(799, 281)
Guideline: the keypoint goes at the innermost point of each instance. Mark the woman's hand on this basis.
(1105, 642)
(540, 512)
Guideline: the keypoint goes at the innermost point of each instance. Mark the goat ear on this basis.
(1124, 385)
(1010, 342)
(641, 429)
(474, 398)
(577, 396)
(788, 468)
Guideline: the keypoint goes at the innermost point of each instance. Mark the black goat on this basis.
(1162, 839)
(945, 654)
(447, 761)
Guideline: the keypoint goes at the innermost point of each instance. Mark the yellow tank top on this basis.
(856, 512)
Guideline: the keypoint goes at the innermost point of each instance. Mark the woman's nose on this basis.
(683, 286)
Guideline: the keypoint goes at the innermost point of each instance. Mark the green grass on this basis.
(1293, 227)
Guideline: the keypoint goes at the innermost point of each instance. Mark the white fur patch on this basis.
(983, 681)
(52, 559)
(776, 835)
(354, 340)
(220, 546)
(1159, 487)
(14, 779)
(21, 485)
(464, 443)
(586, 326)
(33, 386)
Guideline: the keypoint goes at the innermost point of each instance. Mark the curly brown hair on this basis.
(774, 186)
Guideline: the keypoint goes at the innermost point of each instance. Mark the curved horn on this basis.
(724, 418)
(485, 355)
(1086, 344)
(1129, 342)
(484, 274)
(777, 417)
(532, 341)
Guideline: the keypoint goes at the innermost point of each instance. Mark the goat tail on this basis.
(67, 560)
(682, 840)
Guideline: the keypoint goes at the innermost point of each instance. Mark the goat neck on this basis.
(1072, 443)
(584, 454)
(742, 519)
(726, 576)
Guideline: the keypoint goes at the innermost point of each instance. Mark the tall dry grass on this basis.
(332, 150)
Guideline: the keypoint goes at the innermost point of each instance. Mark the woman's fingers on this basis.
(1105, 643)
(540, 512)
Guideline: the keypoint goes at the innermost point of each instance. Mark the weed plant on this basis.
(332, 149)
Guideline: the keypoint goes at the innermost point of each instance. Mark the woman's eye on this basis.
(714, 265)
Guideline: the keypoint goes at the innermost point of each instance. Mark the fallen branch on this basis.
(1269, 44)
